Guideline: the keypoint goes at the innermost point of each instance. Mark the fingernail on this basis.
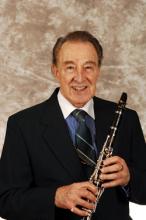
(102, 185)
(102, 170)
(101, 176)
(89, 213)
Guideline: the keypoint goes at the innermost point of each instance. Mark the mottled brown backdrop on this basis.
(28, 31)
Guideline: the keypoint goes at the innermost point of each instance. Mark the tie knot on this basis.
(79, 115)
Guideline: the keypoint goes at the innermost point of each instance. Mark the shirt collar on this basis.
(67, 107)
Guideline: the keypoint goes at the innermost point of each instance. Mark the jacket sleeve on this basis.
(137, 164)
(20, 198)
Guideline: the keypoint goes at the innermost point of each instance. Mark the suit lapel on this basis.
(56, 134)
(103, 119)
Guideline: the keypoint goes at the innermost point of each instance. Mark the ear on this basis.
(54, 70)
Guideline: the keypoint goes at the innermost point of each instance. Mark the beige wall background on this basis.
(28, 31)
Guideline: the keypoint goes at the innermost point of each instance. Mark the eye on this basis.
(70, 68)
(88, 67)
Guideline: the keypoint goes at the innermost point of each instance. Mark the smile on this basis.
(79, 88)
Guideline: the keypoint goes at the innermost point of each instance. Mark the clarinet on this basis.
(106, 152)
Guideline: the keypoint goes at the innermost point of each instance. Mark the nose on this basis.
(79, 75)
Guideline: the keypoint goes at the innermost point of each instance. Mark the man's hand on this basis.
(115, 172)
(76, 197)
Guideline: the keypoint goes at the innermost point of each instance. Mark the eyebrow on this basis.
(68, 62)
(87, 62)
(90, 62)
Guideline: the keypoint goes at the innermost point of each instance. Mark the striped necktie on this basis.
(83, 139)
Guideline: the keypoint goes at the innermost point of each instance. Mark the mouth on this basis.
(79, 88)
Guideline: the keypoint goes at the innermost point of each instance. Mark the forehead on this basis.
(77, 50)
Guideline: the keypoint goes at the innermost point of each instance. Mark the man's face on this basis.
(77, 71)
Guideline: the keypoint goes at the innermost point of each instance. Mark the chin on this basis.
(80, 102)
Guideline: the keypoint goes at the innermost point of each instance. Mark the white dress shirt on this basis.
(67, 107)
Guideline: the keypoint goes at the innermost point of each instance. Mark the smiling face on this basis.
(77, 71)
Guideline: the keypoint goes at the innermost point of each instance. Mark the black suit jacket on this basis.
(38, 157)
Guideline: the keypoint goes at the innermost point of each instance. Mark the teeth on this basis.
(79, 88)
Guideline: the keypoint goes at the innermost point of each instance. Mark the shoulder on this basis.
(37, 111)
(102, 103)
(29, 114)
(107, 106)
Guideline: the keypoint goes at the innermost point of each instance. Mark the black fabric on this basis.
(38, 157)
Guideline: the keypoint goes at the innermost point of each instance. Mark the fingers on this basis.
(112, 168)
(78, 197)
(79, 211)
(114, 172)
(113, 183)
(87, 195)
(84, 209)
(87, 185)
(113, 160)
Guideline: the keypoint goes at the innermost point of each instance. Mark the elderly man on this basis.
(42, 175)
